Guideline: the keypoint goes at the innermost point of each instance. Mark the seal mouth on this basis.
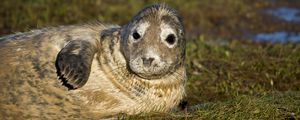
(147, 76)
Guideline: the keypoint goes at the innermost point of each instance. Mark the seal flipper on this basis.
(73, 63)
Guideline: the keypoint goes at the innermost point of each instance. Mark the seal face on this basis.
(102, 69)
(153, 42)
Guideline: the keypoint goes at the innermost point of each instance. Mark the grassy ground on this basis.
(233, 79)
(243, 80)
(275, 105)
(220, 71)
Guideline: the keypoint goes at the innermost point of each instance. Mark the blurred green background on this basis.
(230, 19)
(243, 56)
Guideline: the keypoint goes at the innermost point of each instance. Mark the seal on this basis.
(94, 70)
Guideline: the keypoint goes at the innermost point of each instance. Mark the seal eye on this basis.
(136, 35)
(170, 39)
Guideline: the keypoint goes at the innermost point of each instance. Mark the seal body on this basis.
(28, 82)
(93, 70)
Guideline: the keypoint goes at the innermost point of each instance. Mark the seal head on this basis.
(153, 42)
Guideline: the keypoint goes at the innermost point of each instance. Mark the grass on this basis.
(219, 71)
(243, 80)
(271, 106)
(233, 79)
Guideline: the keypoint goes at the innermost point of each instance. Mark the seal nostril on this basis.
(147, 61)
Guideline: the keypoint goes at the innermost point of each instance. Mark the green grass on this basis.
(233, 79)
(218, 70)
